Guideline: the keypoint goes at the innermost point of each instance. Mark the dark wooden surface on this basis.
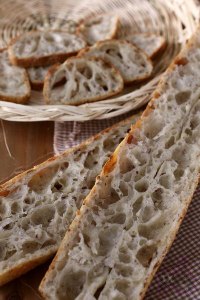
(23, 145)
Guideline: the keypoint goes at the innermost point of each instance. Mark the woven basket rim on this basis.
(119, 105)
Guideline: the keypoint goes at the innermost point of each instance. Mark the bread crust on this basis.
(33, 61)
(159, 49)
(81, 28)
(9, 186)
(54, 68)
(140, 78)
(108, 167)
(18, 99)
(24, 267)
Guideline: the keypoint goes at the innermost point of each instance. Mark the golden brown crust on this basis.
(10, 186)
(37, 61)
(85, 50)
(168, 245)
(24, 267)
(81, 27)
(65, 245)
(54, 68)
(19, 99)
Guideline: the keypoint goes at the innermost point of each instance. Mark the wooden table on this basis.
(23, 145)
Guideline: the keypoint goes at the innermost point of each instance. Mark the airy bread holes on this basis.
(119, 218)
(87, 72)
(15, 208)
(126, 165)
(86, 86)
(71, 285)
(142, 185)
(153, 128)
(170, 142)
(43, 215)
(107, 239)
(30, 246)
(165, 181)
(124, 258)
(157, 197)
(123, 286)
(182, 97)
(145, 254)
(124, 271)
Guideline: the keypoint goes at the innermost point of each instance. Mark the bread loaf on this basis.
(37, 206)
(36, 77)
(150, 43)
(132, 62)
(99, 28)
(14, 82)
(43, 48)
(83, 80)
(132, 214)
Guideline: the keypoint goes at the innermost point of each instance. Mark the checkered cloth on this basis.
(179, 275)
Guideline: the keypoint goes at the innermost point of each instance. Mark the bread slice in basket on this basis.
(14, 82)
(83, 79)
(41, 48)
(150, 43)
(38, 205)
(99, 28)
(36, 77)
(132, 62)
(131, 216)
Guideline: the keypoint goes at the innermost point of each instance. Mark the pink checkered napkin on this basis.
(179, 275)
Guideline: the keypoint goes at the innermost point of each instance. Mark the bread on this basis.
(83, 80)
(14, 83)
(37, 206)
(133, 63)
(43, 48)
(132, 214)
(99, 28)
(36, 77)
(152, 44)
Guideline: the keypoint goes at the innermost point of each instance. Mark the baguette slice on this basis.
(150, 43)
(42, 48)
(99, 28)
(38, 205)
(36, 77)
(131, 216)
(133, 63)
(85, 80)
(14, 82)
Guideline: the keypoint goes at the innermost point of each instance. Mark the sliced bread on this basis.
(36, 77)
(37, 206)
(150, 43)
(42, 48)
(83, 79)
(99, 28)
(131, 216)
(14, 82)
(132, 62)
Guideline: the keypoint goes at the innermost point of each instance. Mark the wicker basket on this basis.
(174, 19)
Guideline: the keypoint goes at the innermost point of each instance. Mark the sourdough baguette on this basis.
(131, 216)
(83, 80)
(36, 77)
(43, 48)
(132, 62)
(150, 43)
(99, 28)
(38, 205)
(14, 82)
